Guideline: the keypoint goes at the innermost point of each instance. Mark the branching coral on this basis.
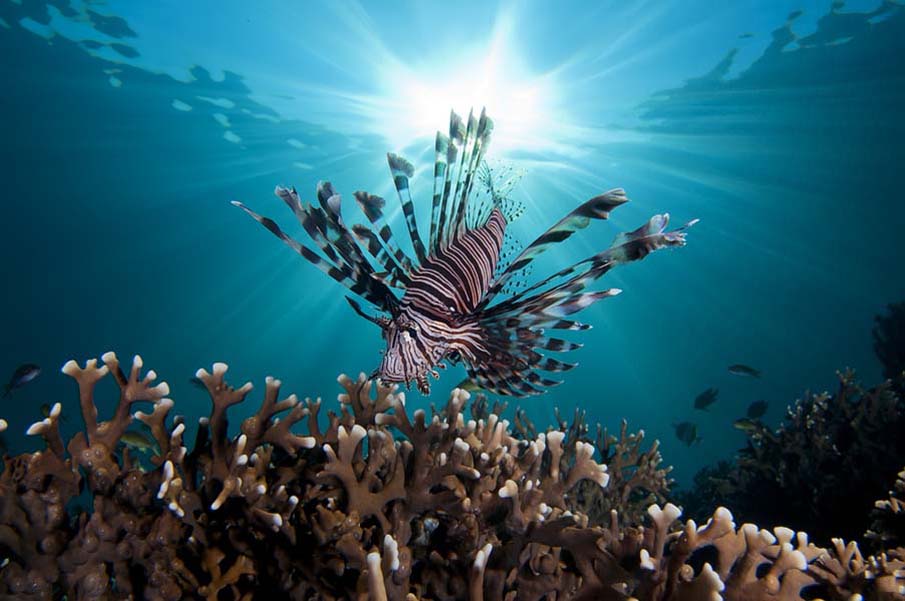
(382, 503)
(637, 477)
(888, 527)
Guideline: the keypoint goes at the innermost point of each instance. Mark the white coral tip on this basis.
(510, 489)
(220, 368)
(391, 549)
(480, 560)
(261, 489)
(108, 357)
(602, 478)
(151, 375)
(201, 373)
(722, 513)
(712, 577)
(242, 459)
(556, 437)
(3, 425)
(783, 534)
(56, 409)
(374, 562)
(38, 427)
(70, 368)
(162, 389)
(136, 362)
(646, 563)
(166, 403)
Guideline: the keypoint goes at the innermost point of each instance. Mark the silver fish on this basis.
(740, 369)
(24, 374)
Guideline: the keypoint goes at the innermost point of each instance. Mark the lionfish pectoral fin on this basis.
(357, 308)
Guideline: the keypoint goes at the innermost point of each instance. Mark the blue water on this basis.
(128, 127)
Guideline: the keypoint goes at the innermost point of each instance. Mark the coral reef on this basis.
(821, 471)
(636, 477)
(375, 502)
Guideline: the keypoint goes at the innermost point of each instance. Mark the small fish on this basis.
(744, 370)
(706, 399)
(469, 385)
(757, 409)
(139, 441)
(747, 424)
(24, 374)
(687, 432)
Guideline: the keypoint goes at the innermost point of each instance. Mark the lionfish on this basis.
(455, 304)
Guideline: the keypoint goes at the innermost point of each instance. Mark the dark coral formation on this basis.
(375, 502)
(822, 470)
(889, 341)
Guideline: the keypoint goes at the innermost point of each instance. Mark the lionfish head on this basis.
(409, 356)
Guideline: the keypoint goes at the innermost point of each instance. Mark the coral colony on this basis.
(376, 502)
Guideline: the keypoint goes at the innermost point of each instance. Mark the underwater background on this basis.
(128, 127)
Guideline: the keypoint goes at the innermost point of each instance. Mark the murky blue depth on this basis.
(128, 127)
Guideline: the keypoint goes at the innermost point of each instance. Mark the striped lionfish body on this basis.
(455, 305)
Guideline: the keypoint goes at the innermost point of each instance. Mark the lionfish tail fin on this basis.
(514, 358)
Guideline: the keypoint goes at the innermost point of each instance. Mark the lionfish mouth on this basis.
(421, 380)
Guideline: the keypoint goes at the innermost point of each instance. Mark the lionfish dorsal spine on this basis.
(381, 245)
(456, 140)
(441, 147)
(479, 136)
(402, 171)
